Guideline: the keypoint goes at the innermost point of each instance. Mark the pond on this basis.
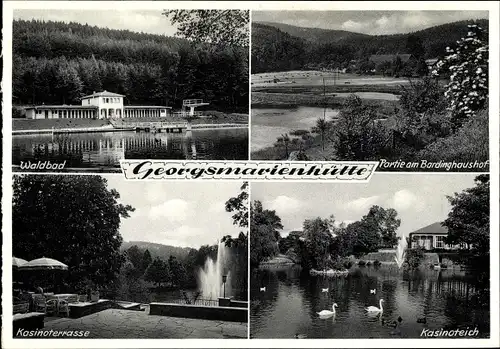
(270, 123)
(105, 149)
(446, 299)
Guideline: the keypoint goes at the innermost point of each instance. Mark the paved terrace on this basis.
(118, 323)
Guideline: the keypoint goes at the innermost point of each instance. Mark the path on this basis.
(119, 323)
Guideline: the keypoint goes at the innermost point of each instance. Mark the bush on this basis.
(377, 263)
(361, 263)
(299, 132)
(348, 264)
(468, 144)
(368, 263)
(414, 257)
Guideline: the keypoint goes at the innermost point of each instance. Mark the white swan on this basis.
(328, 312)
(374, 291)
(324, 290)
(372, 309)
(262, 289)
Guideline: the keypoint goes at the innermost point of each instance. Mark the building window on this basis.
(440, 242)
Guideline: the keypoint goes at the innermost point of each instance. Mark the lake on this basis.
(447, 299)
(270, 123)
(105, 149)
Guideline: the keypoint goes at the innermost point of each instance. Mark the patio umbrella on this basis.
(17, 262)
(44, 264)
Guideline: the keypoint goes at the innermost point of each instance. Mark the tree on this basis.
(318, 241)
(177, 271)
(468, 222)
(146, 260)
(134, 255)
(321, 127)
(158, 272)
(467, 91)
(385, 223)
(221, 28)
(365, 239)
(239, 205)
(264, 234)
(73, 219)
(357, 135)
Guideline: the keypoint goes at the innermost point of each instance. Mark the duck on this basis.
(374, 291)
(262, 289)
(373, 309)
(328, 312)
(300, 336)
(324, 290)
(422, 320)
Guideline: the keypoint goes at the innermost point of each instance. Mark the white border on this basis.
(8, 342)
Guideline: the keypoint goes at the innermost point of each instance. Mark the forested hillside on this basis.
(281, 47)
(56, 63)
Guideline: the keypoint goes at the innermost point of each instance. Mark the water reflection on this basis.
(289, 306)
(107, 148)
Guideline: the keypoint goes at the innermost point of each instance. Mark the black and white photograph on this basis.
(100, 257)
(371, 85)
(403, 256)
(92, 87)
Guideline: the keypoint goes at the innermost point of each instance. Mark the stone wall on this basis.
(199, 312)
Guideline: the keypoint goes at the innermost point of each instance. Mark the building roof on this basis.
(377, 59)
(146, 107)
(64, 106)
(434, 228)
(103, 94)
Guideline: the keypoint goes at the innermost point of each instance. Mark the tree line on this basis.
(278, 47)
(57, 63)
(322, 244)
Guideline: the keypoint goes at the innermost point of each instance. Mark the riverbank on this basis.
(55, 126)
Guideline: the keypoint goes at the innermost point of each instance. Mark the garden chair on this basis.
(51, 306)
(21, 308)
(83, 298)
(73, 298)
(39, 303)
(63, 307)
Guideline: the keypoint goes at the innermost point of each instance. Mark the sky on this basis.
(367, 22)
(147, 21)
(180, 213)
(420, 199)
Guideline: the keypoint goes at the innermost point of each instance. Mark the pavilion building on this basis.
(100, 105)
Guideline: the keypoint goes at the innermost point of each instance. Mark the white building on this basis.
(100, 105)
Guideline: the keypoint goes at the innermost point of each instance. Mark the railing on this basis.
(192, 101)
(186, 114)
(199, 301)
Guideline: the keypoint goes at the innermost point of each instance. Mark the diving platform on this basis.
(191, 104)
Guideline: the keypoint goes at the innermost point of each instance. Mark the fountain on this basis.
(211, 276)
(400, 252)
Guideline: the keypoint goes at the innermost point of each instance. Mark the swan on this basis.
(300, 336)
(328, 312)
(262, 289)
(374, 291)
(373, 309)
(324, 290)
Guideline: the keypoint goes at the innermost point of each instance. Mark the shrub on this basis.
(368, 263)
(469, 143)
(414, 257)
(377, 263)
(361, 263)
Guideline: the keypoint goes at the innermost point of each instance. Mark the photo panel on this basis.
(92, 87)
(404, 256)
(406, 88)
(101, 257)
